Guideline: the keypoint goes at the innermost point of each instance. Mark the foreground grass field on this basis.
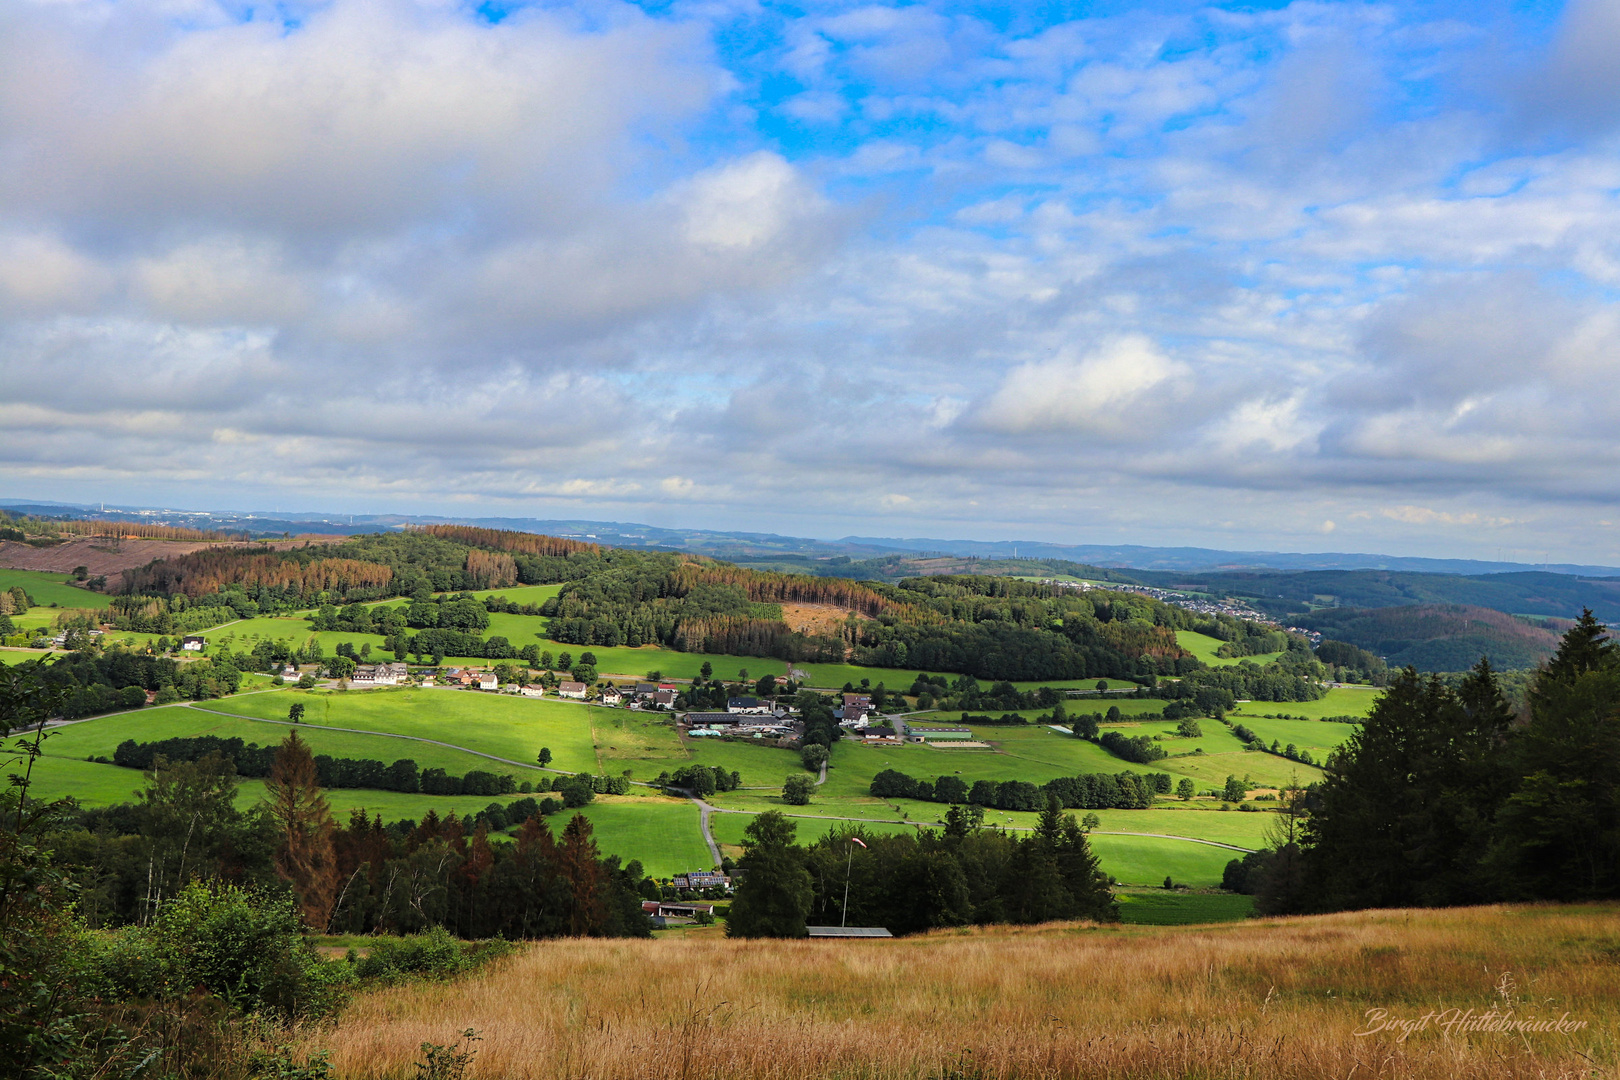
(1262, 998)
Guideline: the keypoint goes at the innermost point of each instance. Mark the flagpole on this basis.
(844, 919)
(849, 862)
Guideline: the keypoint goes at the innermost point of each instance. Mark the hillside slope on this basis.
(1438, 637)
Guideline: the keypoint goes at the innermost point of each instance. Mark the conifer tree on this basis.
(1560, 829)
(776, 891)
(305, 858)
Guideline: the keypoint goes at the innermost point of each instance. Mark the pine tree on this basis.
(305, 858)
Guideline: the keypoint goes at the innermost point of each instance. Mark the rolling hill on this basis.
(1438, 637)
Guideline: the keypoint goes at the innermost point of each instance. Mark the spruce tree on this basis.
(305, 859)
(1559, 834)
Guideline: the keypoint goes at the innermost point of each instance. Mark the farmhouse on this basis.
(645, 689)
(611, 696)
(533, 690)
(748, 706)
(488, 681)
(664, 699)
(575, 690)
(193, 643)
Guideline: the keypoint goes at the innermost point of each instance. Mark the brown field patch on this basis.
(1266, 998)
(815, 618)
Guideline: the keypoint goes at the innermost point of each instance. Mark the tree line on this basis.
(1087, 791)
(908, 883)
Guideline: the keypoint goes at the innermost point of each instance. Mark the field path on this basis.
(704, 810)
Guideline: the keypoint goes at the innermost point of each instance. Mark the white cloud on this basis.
(1111, 389)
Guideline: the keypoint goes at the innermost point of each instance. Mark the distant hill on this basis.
(1285, 595)
(1440, 637)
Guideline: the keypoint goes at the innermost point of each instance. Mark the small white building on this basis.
(611, 696)
(193, 643)
(533, 690)
(488, 681)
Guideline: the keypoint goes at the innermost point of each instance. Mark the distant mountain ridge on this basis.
(726, 544)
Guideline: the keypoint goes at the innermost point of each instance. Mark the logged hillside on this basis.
(109, 556)
(1274, 998)
(1438, 637)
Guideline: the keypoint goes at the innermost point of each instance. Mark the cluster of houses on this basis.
(744, 716)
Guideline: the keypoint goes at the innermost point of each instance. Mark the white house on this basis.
(192, 643)
(533, 690)
(611, 696)
(575, 690)
(488, 681)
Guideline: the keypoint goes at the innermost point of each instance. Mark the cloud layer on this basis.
(1193, 274)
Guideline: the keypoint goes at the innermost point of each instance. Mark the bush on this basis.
(244, 948)
(797, 790)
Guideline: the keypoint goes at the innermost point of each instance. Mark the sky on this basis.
(1306, 276)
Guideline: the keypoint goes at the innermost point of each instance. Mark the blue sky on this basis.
(1317, 276)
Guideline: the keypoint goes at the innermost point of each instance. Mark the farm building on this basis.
(938, 734)
(664, 699)
(849, 932)
(748, 706)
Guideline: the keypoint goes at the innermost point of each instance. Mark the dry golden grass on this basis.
(816, 618)
(1275, 998)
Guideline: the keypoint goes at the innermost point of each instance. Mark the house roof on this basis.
(570, 687)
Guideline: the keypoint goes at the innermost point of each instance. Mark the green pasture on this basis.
(95, 784)
(1312, 735)
(1147, 860)
(1338, 701)
(1159, 907)
(100, 736)
(506, 726)
(52, 589)
(664, 834)
(1203, 647)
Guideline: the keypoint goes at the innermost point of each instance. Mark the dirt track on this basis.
(105, 555)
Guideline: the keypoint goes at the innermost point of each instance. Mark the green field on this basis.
(662, 833)
(509, 727)
(1338, 701)
(1145, 860)
(52, 590)
(99, 737)
(1203, 646)
(1157, 907)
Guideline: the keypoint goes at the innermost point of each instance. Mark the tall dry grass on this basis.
(1276, 998)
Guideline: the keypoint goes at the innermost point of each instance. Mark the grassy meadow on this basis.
(1220, 1001)
(52, 589)
(1203, 646)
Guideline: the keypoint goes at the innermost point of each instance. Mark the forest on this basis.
(988, 627)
